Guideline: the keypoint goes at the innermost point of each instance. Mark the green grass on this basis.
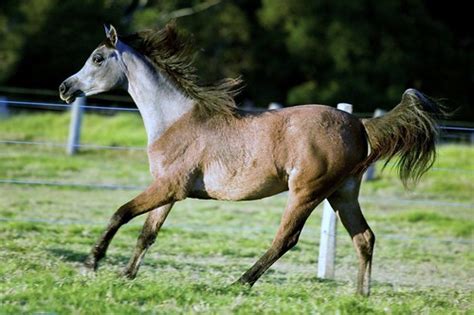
(424, 258)
(124, 129)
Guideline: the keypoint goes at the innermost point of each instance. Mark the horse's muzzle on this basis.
(68, 94)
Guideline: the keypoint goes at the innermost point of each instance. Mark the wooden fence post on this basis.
(75, 125)
(327, 245)
(370, 173)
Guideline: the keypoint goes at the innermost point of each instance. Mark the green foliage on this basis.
(313, 51)
(51, 38)
(18, 21)
(364, 53)
(302, 93)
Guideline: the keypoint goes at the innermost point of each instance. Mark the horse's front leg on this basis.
(147, 237)
(156, 195)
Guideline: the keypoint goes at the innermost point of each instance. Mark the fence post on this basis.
(75, 125)
(327, 245)
(4, 112)
(370, 173)
(274, 105)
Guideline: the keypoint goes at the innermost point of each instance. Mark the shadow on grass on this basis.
(155, 266)
(68, 255)
(73, 256)
(221, 289)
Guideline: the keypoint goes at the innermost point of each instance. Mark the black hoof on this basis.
(91, 264)
(241, 285)
(130, 275)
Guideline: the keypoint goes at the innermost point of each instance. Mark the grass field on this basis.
(424, 257)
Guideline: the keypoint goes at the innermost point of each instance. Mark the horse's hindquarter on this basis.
(323, 142)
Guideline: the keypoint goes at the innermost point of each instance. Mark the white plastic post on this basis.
(327, 245)
(75, 125)
(274, 105)
(370, 173)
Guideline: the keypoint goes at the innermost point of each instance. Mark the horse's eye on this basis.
(97, 59)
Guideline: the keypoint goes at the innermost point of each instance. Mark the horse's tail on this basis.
(409, 132)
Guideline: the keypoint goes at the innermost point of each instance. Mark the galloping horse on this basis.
(201, 146)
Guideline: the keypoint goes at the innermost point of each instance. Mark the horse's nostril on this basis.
(62, 88)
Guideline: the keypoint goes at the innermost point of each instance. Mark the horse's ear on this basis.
(111, 33)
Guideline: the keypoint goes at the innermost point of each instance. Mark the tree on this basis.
(294, 52)
(52, 38)
(366, 52)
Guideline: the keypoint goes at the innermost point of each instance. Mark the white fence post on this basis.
(327, 245)
(370, 173)
(274, 105)
(4, 112)
(75, 125)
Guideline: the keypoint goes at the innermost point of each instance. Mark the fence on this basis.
(449, 133)
(328, 227)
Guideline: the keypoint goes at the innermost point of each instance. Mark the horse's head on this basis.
(102, 71)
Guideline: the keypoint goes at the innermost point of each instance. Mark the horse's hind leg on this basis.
(301, 202)
(157, 195)
(147, 237)
(345, 202)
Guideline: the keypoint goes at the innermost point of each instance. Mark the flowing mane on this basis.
(171, 54)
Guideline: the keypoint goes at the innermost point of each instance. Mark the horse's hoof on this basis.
(89, 267)
(129, 274)
(363, 294)
(86, 271)
(240, 285)
(91, 262)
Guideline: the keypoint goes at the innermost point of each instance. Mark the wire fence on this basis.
(379, 200)
(82, 145)
(54, 106)
(452, 132)
(466, 132)
(48, 105)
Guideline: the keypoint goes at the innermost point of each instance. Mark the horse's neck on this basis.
(159, 102)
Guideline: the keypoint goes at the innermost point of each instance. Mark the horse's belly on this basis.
(240, 186)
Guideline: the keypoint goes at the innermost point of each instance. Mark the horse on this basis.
(200, 145)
